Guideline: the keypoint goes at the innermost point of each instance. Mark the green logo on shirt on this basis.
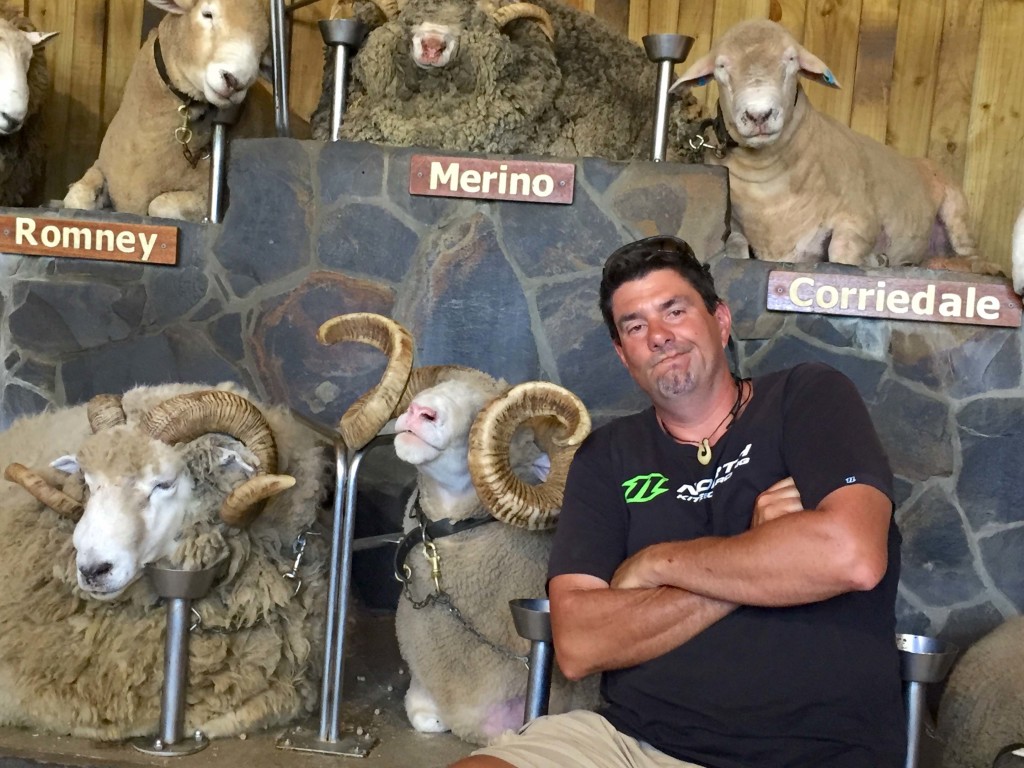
(644, 487)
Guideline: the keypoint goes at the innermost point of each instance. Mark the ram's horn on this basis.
(428, 376)
(105, 411)
(52, 497)
(565, 424)
(508, 13)
(183, 418)
(367, 415)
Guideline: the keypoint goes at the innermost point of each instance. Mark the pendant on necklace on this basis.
(704, 452)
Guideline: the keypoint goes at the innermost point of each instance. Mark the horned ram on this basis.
(24, 84)
(805, 187)
(176, 475)
(500, 77)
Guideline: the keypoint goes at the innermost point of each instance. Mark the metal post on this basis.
(279, 52)
(922, 660)
(344, 36)
(222, 120)
(532, 619)
(179, 588)
(668, 50)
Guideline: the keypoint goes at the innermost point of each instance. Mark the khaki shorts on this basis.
(578, 739)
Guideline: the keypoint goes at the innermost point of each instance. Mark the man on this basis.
(727, 559)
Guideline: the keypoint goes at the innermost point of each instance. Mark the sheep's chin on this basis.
(412, 449)
(107, 595)
(760, 139)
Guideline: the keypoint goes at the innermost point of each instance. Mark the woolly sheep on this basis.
(212, 50)
(459, 431)
(804, 187)
(82, 648)
(499, 77)
(24, 84)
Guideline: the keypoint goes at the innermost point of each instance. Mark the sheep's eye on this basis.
(166, 485)
(207, 13)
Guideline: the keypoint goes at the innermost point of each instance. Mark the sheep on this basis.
(453, 623)
(1017, 254)
(24, 84)
(173, 475)
(804, 187)
(497, 77)
(154, 157)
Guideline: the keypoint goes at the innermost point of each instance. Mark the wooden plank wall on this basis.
(941, 78)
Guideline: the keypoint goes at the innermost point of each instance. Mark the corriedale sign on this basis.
(896, 298)
(525, 181)
(84, 239)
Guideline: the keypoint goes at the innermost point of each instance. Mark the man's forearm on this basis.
(601, 629)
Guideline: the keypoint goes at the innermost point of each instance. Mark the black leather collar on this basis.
(161, 69)
(438, 529)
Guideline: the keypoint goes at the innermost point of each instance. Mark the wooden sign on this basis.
(897, 298)
(83, 239)
(525, 181)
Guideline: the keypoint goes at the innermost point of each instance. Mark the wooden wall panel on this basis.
(937, 77)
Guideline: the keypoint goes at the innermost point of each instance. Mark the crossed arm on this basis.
(667, 593)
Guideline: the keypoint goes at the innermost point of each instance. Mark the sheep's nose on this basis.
(422, 412)
(94, 573)
(9, 123)
(231, 81)
(759, 117)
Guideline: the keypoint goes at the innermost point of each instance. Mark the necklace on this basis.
(704, 444)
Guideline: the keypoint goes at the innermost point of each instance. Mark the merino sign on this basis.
(522, 180)
(897, 298)
(82, 239)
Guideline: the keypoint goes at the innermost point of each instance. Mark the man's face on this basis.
(668, 341)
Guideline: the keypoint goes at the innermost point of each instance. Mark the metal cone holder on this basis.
(223, 119)
(179, 588)
(532, 619)
(329, 739)
(344, 36)
(923, 660)
(667, 50)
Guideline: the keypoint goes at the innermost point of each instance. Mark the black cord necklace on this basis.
(704, 444)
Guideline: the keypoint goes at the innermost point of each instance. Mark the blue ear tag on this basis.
(702, 80)
(828, 77)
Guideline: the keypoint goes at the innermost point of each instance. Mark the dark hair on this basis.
(637, 259)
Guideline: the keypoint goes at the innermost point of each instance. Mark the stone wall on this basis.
(317, 230)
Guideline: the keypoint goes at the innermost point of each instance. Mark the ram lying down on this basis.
(177, 477)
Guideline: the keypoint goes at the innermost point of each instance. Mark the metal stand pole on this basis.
(922, 660)
(222, 120)
(180, 588)
(532, 618)
(344, 36)
(279, 52)
(329, 739)
(667, 50)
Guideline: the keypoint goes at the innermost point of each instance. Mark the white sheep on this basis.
(24, 85)
(170, 475)
(804, 187)
(154, 158)
(454, 626)
(1017, 254)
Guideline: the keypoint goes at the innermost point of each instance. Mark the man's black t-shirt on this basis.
(814, 685)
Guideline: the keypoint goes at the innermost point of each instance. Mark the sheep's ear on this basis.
(701, 72)
(67, 464)
(38, 39)
(228, 457)
(541, 467)
(176, 7)
(814, 68)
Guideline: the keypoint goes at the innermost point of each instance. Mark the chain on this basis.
(183, 135)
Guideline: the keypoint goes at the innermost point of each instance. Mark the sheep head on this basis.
(212, 48)
(17, 47)
(756, 65)
(467, 433)
(148, 481)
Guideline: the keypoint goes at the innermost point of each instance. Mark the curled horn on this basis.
(36, 485)
(105, 411)
(508, 13)
(365, 417)
(428, 376)
(185, 417)
(564, 422)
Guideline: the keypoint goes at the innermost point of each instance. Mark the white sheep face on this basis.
(434, 45)
(221, 43)
(140, 492)
(16, 50)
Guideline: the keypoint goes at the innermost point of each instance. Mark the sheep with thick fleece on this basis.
(154, 158)
(804, 187)
(455, 631)
(500, 77)
(24, 86)
(167, 474)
